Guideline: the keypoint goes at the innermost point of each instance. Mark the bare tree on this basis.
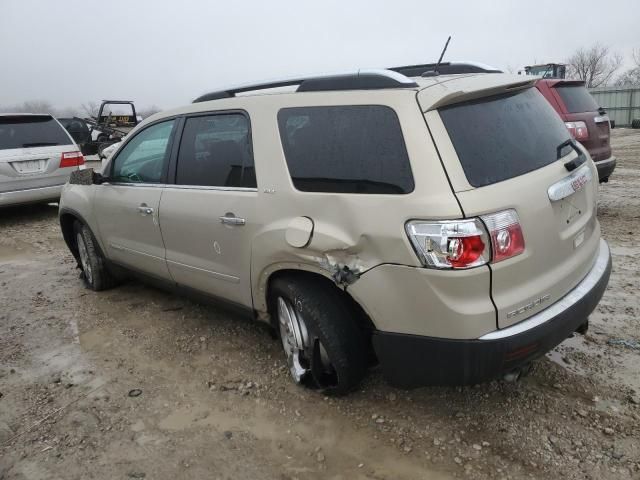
(90, 109)
(631, 78)
(595, 66)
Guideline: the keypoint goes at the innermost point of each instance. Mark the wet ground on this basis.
(138, 383)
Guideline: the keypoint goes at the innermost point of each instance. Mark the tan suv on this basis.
(442, 226)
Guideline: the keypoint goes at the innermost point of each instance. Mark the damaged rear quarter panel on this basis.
(352, 233)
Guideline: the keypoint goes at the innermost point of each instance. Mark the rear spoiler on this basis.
(448, 93)
(559, 82)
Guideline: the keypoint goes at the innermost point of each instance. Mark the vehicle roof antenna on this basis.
(434, 72)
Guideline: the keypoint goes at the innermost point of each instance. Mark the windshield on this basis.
(23, 131)
(577, 99)
(501, 137)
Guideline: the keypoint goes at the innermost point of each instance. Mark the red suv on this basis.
(587, 122)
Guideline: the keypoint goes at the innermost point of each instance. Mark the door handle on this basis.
(144, 210)
(230, 219)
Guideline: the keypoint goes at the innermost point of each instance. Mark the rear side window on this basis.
(24, 131)
(215, 151)
(345, 149)
(577, 99)
(502, 137)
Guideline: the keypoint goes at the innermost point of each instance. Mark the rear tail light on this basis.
(71, 159)
(578, 130)
(506, 235)
(450, 244)
(460, 244)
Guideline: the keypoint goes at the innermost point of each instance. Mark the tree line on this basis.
(598, 65)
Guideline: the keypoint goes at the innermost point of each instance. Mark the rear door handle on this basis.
(229, 219)
(145, 210)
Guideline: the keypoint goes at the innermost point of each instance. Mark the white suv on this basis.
(443, 226)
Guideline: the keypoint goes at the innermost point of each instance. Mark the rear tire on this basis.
(95, 274)
(329, 349)
(635, 123)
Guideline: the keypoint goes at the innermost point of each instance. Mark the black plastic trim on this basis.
(175, 149)
(350, 81)
(605, 168)
(410, 361)
(359, 81)
(229, 93)
(445, 68)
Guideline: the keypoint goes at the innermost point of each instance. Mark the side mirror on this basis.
(87, 177)
(99, 179)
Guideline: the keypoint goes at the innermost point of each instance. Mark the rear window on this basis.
(345, 149)
(577, 99)
(23, 131)
(502, 137)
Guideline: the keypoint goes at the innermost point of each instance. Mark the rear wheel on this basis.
(635, 123)
(95, 274)
(323, 345)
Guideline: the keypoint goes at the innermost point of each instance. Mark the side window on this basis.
(345, 149)
(143, 158)
(215, 151)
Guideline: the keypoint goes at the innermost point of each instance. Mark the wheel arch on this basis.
(324, 280)
(68, 217)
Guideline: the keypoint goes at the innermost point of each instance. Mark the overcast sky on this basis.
(167, 52)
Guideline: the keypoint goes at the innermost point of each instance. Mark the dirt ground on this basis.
(138, 383)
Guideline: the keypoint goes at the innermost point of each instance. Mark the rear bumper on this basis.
(31, 195)
(409, 361)
(606, 168)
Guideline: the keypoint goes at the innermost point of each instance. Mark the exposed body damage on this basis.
(344, 266)
(344, 263)
(330, 256)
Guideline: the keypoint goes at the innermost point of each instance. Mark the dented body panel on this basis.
(433, 303)
(352, 233)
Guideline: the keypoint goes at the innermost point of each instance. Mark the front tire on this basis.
(323, 345)
(95, 274)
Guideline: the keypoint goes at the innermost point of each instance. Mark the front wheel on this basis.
(95, 274)
(323, 345)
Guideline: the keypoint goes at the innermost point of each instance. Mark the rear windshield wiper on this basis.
(40, 144)
(571, 165)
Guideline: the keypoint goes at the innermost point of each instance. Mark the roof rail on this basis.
(359, 80)
(445, 68)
